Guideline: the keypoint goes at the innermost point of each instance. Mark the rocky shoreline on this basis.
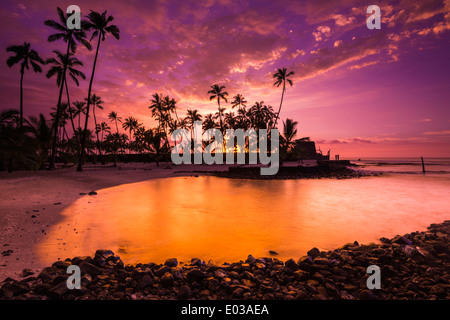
(415, 266)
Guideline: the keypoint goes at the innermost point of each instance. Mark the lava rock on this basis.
(173, 262)
(313, 253)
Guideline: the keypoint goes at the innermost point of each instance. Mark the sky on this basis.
(358, 92)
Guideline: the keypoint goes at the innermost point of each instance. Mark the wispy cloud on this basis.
(437, 133)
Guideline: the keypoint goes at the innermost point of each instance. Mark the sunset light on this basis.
(225, 158)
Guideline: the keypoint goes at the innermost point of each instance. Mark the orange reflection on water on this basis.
(226, 220)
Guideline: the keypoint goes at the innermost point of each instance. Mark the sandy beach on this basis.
(32, 202)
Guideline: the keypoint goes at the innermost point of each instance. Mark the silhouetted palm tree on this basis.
(71, 37)
(260, 115)
(104, 127)
(242, 119)
(239, 101)
(170, 105)
(161, 108)
(71, 111)
(100, 24)
(289, 133)
(96, 102)
(130, 124)
(17, 146)
(112, 116)
(230, 120)
(113, 143)
(156, 107)
(61, 65)
(155, 144)
(79, 109)
(41, 130)
(216, 92)
(281, 77)
(192, 116)
(25, 56)
(209, 122)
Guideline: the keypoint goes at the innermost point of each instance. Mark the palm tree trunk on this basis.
(56, 125)
(21, 95)
(220, 115)
(282, 95)
(65, 133)
(167, 137)
(71, 114)
(129, 149)
(117, 127)
(58, 113)
(83, 139)
(96, 132)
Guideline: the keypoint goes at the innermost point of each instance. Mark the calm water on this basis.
(226, 220)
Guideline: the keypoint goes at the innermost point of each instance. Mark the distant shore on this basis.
(413, 267)
(295, 170)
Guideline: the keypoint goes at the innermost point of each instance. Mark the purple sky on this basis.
(358, 92)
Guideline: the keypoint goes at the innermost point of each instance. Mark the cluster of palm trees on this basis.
(258, 116)
(63, 67)
(35, 141)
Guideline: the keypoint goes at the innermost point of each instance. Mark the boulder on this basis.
(172, 262)
(291, 264)
(401, 240)
(313, 253)
(195, 274)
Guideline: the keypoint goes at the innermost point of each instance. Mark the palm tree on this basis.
(170, 105)
(289, 133)
(100, 23)
(242, 120)
(79, 109)
(104, 127)
(239, 101)
(61, 65)
(25, 56)
(71, 37)
(258, 114)
(41, 131)
(281, 77)
(71, 112)
(209, 122)
(16, 144)
(230, 120)
(112, 116)
(61, 124)
(157, 106)
(96, 102)
(216, 92)
(130, 124)
(113, 143)
(154, 139)
(161, 108)
(192, 116)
